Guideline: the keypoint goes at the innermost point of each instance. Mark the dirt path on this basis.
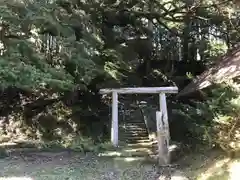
(77, 166)
(65, 165)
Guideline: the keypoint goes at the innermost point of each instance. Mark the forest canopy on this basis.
(64, 44)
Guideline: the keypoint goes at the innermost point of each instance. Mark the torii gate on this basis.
(161, 115)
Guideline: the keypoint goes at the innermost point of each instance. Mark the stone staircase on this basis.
(133, 135)
(133, 139)
(135, 144)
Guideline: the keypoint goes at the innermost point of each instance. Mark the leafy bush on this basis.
(214, 121)
(77, 143)
(88, 145)
(227, 134)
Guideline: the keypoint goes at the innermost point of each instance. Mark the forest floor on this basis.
(79, 166)
(72, 165)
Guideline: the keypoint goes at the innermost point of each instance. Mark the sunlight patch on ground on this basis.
(178, 177)
(130, 159)
(140, 144)
(137, 150)
(111, 154)
(214, 169)
(234, 170)
(8, 144)
(225, 169)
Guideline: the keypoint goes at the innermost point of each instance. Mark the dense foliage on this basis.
(64, 44)
(65, 50)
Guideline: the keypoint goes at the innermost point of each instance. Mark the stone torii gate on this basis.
(161, 115)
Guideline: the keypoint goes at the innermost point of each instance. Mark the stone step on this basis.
(135, 133)
(134, 123)
(141, 144)
(126, 136)
(132, 128)
(140, 155)
(138, 151)
(134, 119)
(138, 131)
(135, 141)
(130, 134)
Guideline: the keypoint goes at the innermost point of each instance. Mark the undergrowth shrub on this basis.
(227, 134)
(88, 145)
(214, 121)
(51, 119)
(77, 143)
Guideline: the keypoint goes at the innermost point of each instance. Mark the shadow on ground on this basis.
(28, 165)
(72, 165)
